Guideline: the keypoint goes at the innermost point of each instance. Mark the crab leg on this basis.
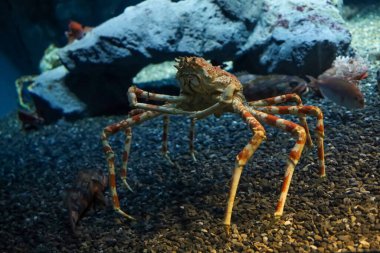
(165, 139)
(126, 152)
(294, 155)
(292, 97)
(165, 134)
(302, 110)
(191, 139)
(277, 100)
(243, 156)
(164, 149)
(134, 93)
(113, 129)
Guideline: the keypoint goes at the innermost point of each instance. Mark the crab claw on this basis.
(126, 184)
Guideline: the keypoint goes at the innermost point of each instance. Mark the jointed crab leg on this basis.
(294, 155)
(110, 130)
(243, 156)
(164, 149)
(302, 110)
(191, 139)
(134, 93)
(165, 139)
(126, 152)
(293, 97)
(139, 93)
(165, 134)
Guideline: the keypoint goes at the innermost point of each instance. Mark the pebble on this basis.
(364, 244)
(321, 249)
(313, 247)
(344, 238)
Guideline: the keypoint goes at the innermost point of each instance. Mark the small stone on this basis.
(344, 238)
(371, 217)
(318, 238)
(364, 243)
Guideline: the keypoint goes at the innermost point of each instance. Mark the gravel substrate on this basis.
(181, 208)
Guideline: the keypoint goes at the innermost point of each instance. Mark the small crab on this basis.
(209, 90)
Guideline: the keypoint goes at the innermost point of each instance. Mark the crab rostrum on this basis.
(209, 90)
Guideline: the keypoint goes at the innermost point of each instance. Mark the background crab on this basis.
(208, 90)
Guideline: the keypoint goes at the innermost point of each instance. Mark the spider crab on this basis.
(209, 90)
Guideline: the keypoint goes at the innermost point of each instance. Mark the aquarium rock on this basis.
(260, 36)
(52, 97)
(290, 37)
(295, 37)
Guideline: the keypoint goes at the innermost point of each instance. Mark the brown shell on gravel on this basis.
(87, 192)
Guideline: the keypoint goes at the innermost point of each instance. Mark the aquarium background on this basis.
(52, 159)
(8, 95)
(29, 27)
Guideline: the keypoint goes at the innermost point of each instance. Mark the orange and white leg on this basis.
(293, 97)
(134, 93)
(127, 148)
(304, 110)
(123, 125)
(294, 156)
(126, 152)
(277, 100)
(243, 157)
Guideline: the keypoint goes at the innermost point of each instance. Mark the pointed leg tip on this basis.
(277, 215)
(167, 157)
(118, 210)
(227, 230)
(127, 185)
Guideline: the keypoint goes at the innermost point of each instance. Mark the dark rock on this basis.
(135, 38)
(29, 26)
(53, 98)
(295, 38)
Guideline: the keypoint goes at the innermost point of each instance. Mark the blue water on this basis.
(8, 95)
